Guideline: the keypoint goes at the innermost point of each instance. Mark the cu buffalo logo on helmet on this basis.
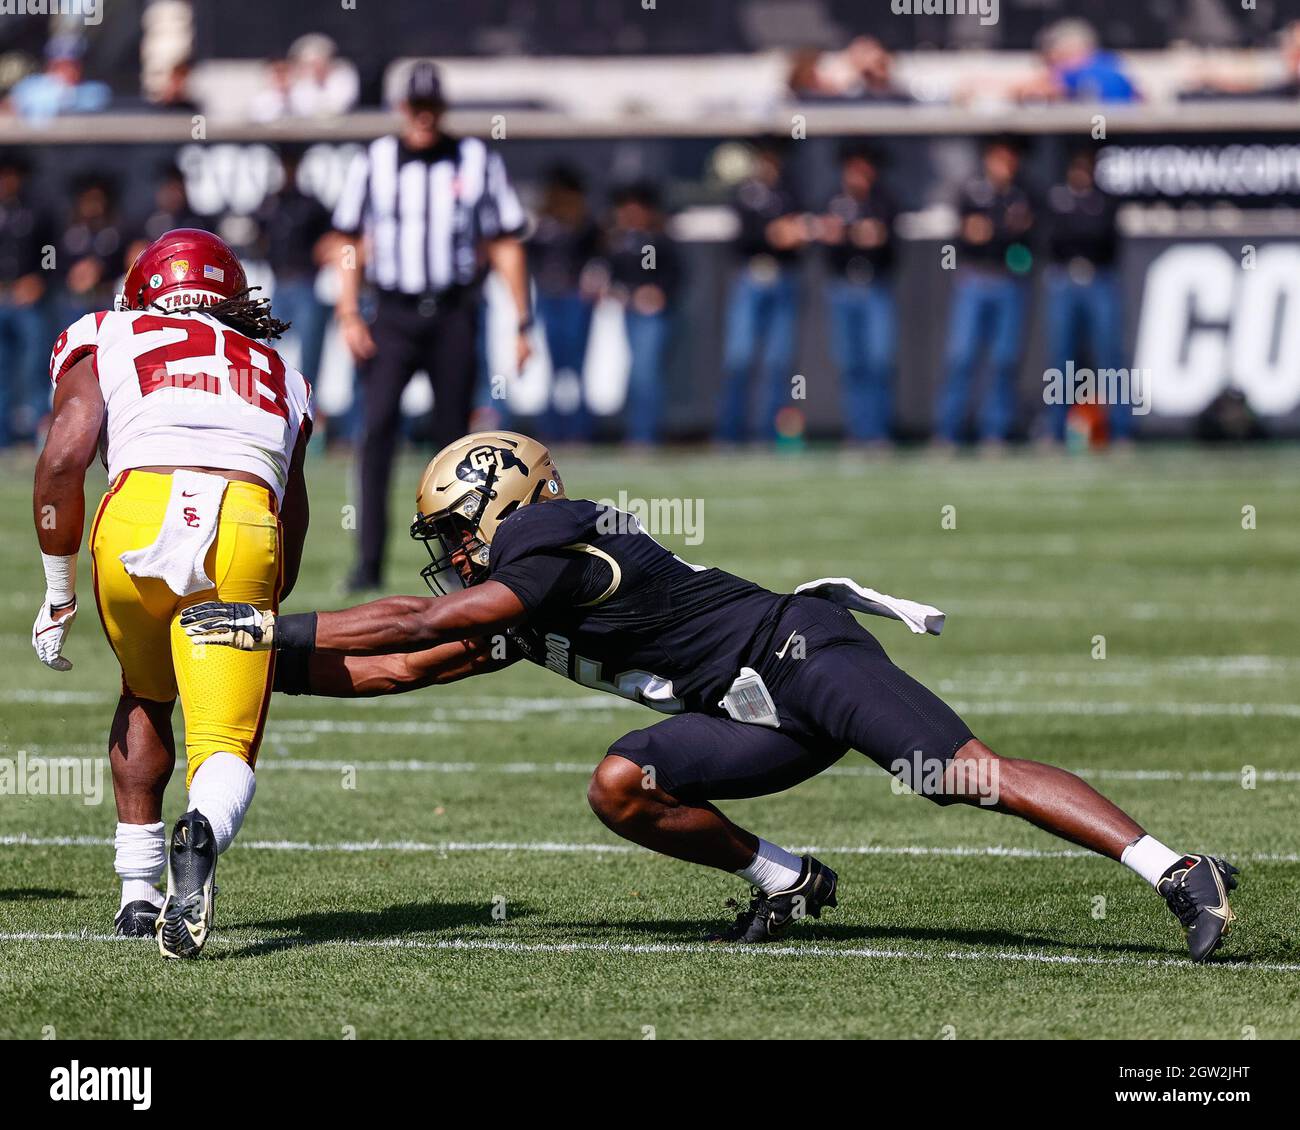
(474, 467)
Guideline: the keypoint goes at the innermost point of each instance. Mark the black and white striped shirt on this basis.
(424, 213)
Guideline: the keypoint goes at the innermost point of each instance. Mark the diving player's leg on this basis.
(142, 755)
(653, 788)
(1195, 886)
(858, 696)
(1052, 799)
(629, 802)
(225, 695)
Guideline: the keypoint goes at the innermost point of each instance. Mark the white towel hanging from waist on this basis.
(920, 618)
(188, 529)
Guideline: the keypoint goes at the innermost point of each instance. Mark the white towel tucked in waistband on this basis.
(188, 528)
(920, 618)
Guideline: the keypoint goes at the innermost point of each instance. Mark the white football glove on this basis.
(48, 635)
(233, 625)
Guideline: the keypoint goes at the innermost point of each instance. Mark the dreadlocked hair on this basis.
(248, 316)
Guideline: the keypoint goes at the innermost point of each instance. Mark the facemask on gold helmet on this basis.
(468, 489)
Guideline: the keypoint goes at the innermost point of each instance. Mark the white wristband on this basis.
(60, 578)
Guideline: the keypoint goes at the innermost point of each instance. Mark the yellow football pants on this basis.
(224, 693)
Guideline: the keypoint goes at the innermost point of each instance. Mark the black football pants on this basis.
(836, 690)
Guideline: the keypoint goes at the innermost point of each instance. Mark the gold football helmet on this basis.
(468, 489)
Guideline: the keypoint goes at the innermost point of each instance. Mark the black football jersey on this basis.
(612, 609)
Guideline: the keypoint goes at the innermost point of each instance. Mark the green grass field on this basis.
(370, 910)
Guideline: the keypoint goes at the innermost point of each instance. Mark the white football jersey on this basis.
(185, 390)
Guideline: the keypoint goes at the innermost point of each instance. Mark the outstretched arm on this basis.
(365, 676)
(410, 623)
(394, 624)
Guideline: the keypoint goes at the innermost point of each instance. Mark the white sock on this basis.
(772, 869)
(222, 790)
(139, 860)
(1149, 858)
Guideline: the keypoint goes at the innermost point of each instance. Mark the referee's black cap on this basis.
(424, 87)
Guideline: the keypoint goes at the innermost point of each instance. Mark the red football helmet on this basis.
(183, 267)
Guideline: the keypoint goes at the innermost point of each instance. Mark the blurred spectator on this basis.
(272, 102)
(805, 81)
(873, 72)
(1229, 418)
(764, 304)
(1287, 85)
(858, 231)
(91, 252)
(323, 84)
(294, 229)
(174, 92)
(313, 82)
(24, 234)
(59, 88)
(1083, 295)
(644, 274)
(561, 250)
(171, 209)
(1077, 69)
(989, 296)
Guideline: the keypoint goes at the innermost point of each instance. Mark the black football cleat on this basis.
(186, 917)
(768, 915)
(1196, 889)
(136, 919)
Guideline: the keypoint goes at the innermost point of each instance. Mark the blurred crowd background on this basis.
(762, 221)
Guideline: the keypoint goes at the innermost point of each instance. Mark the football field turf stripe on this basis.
(415, 765)
(444, 719)
(271, 943)
(552, 847)
(524, 768)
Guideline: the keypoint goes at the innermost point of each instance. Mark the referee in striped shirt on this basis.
(427, 214)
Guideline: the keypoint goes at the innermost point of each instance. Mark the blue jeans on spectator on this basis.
(762, 321)
(647, 339)
(864, 339)
(566, 319)
(24, 345)
(988, 313)
(1086, 316)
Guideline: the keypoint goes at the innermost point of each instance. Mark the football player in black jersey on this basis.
(763, 690)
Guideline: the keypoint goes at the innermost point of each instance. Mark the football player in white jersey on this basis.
(202, 428)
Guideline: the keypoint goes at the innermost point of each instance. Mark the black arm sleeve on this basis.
(292, 672)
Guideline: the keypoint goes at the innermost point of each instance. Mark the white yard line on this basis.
(272, 761)
(672, 948)
(554, 847)
(1177, 709)
(441, 720)
(415, 765)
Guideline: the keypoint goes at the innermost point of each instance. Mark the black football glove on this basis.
(232, 625)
